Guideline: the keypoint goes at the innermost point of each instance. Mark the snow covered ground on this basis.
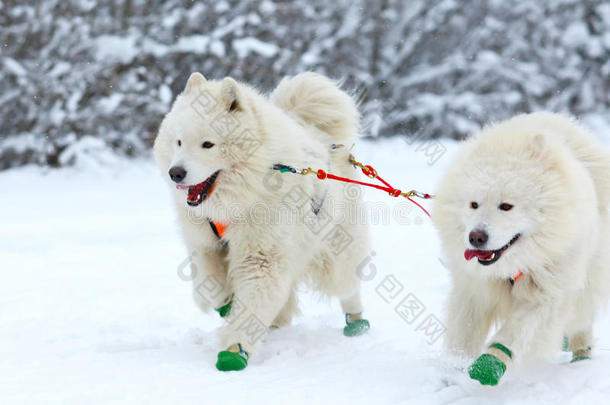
(92, 309)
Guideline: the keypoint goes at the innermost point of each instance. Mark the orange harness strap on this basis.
(218, 228)
(515, 278)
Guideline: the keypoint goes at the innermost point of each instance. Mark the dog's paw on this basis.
(356, 327)
(229, 360)
(487, 369)
(581, 354)
(224, 310)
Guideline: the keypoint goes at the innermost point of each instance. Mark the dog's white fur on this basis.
(558, 179)
(270, 247)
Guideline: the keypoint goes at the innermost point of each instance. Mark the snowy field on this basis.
(92, 309)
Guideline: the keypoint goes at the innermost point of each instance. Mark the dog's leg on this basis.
(468, 321)
(289, 310)
(580, 337)
(580, 327)
(356, 325)
(262, 284)
(352, 304)
(580, 345)
(531, 328)
(209, 274)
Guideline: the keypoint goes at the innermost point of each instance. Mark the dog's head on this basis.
(500, 202)
(210, 127)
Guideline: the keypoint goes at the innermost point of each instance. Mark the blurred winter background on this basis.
(92, 308)
(87, 77)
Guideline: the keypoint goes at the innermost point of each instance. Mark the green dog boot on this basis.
(355, 325)
(581, 354)
(230, 360)
(565, 346)
(225, 309)
(487, 369)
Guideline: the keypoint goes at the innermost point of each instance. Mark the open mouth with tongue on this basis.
(487, 257)
(199, 192)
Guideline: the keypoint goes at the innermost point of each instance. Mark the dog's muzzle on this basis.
(199, 192)
(487, 257)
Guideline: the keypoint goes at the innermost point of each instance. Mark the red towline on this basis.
(370, 172)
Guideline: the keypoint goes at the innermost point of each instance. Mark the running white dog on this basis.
(528, 199)
(255, 227)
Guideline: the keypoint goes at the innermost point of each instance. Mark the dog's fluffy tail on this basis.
(599, 166)
(318, 100)
(589, 151)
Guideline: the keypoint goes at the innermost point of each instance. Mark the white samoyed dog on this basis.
(254, 226)
(523, 219)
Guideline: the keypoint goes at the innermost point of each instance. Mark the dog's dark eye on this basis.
(474, 205)
(179, 142)
(506, 207)
(207, 145)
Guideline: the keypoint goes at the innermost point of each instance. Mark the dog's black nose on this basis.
(478, 238)
(177, 174)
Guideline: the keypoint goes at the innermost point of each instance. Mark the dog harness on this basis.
(219, 229)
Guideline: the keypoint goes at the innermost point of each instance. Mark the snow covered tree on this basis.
(79, 76)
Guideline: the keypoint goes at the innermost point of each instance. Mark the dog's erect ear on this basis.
(537, 146)
(194, 81)
(231, 95)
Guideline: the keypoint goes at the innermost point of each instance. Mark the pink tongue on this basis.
(481, 254)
